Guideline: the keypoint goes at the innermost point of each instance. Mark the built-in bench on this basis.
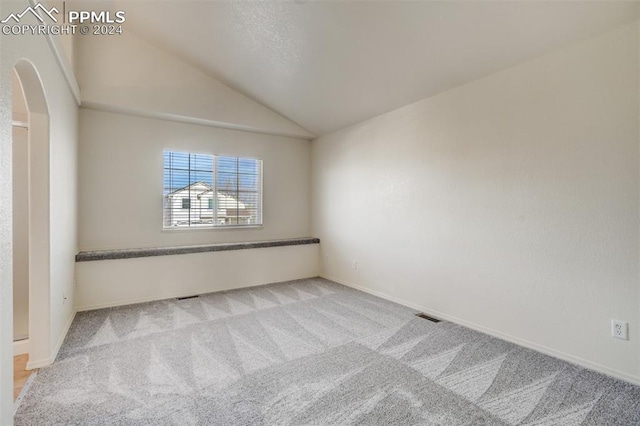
(87, 256)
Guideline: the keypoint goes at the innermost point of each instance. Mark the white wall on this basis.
(129, 74)
(20, 233)
(509, 204)
(121, 207)
(121, 282)
(62, 164)
(18, 105)
(20, 214)
(6, 252)
(121, 181)
(139, 100)
(64, 209)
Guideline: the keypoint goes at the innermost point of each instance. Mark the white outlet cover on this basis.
(619, 329)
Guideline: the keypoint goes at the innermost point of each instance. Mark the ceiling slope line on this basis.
(98, 106)
(282, 55)
(179, 56)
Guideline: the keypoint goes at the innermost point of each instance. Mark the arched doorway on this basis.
(37, 221)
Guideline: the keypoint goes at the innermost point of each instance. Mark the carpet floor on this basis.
(307, 352)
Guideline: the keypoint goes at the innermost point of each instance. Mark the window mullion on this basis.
(248, 190)
(215, 190)
(189, 190)
(237, 191)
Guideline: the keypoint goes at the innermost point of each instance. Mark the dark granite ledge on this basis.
(87, 256)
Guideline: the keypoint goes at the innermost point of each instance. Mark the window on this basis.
(209, 191)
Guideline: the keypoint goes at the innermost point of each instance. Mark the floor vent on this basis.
(427, 317)
(186, 297)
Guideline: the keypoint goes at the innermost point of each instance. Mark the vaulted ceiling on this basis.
(329, 64)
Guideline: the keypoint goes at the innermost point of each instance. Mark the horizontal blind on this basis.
(203, 190)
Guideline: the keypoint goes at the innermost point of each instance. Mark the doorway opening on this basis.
(20, 191)
(31, 227)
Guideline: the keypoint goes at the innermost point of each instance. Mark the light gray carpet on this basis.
(307, 352)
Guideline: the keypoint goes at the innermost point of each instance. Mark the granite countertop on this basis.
(86, 256)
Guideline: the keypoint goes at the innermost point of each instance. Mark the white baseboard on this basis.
(136, 300)
(207, 290)
(21, 347)
(518, 341)
(109, 283)
(39, 363)
(63, 335)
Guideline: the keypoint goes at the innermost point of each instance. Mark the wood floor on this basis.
(20, 374)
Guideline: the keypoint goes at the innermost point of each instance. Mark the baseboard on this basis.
(518, 341)
(135, 301)
(39, 363)
(63, 335)
(21, 347)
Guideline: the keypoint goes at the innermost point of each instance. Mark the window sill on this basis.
(87, 256)
(210, 228)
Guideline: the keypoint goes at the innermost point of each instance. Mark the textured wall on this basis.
(157, 83)
(509, 204)
(6, 255)
(20, 233)
(62, 215)
(121, 207)
(121, 181)
(120, 282)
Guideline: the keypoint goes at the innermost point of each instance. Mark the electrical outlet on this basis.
(619, 329)
(355, 264)
(326, 258)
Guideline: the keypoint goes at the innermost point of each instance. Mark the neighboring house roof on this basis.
(193, 185)
(224, 198)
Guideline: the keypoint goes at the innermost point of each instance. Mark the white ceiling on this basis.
(326, 65)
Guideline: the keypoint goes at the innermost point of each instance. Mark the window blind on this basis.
(204, 190)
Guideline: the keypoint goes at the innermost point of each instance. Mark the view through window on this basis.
(204, 190)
